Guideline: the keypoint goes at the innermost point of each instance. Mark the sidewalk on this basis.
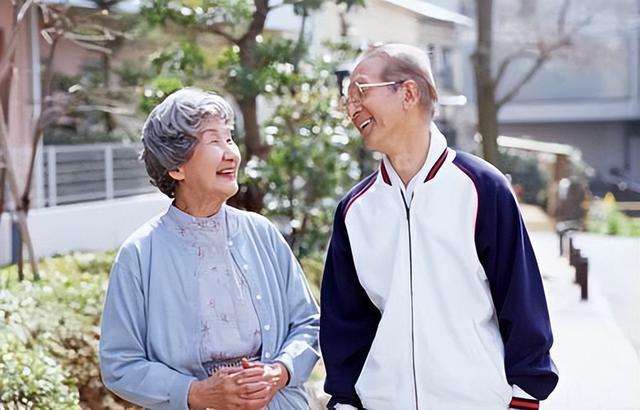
(599, 368)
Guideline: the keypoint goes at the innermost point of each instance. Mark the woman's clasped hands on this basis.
(249, 387)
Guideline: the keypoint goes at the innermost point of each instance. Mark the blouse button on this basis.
(259, 297)
(245, 267)
(267, 355)
(267, 327)
(230, 243)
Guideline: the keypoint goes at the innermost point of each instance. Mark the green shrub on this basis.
(313, 267)
(525, 172)
(58, 319)
(605, 218)
(31, 378)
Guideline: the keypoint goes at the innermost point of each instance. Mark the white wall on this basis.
(91, 226)
(397, 25)
(5, 239)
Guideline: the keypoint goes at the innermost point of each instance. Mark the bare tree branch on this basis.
(13, 188)
(219, 31)
(105, 108)
(545, 53)
(525, 79)
(520, 54)
(23, 10)
(89, 46)
(39, 123)
(5, 61)
(90, 37)
(562, 16)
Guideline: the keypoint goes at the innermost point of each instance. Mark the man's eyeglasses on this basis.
(347, 100)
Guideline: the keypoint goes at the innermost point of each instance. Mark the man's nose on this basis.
(353, 108)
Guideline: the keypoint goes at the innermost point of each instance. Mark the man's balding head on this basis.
(404, 62)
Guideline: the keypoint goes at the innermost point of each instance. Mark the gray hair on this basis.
(405, 62)
(170, 133)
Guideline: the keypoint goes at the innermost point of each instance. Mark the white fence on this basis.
(79, 199)
(79, 173)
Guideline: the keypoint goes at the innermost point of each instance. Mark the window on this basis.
(442, 66)
(445, 71)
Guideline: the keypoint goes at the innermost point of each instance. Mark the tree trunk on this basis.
(250, 197)
(252, 141)
(485, 85)
(109, 123)
(3, 174)
(20, 258)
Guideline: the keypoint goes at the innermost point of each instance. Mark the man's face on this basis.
(377, 112)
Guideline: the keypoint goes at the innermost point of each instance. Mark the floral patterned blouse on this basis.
(229, 324)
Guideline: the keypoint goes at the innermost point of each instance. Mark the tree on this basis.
(58, 22)
(251, 60)
(313, 158)
(538, 52)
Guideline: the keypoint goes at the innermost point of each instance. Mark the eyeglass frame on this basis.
(346, 101)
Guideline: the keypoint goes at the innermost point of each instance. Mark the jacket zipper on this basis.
(413, 357)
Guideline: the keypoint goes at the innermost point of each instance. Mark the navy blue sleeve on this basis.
(348, 319)
(505, 251)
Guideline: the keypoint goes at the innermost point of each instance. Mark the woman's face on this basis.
(212, 170)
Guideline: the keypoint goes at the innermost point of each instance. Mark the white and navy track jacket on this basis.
(434, 301)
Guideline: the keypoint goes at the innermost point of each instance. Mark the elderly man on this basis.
(431, 296)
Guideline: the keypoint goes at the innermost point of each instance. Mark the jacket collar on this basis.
(435, 158)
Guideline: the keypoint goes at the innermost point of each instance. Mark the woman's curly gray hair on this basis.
(170, 133)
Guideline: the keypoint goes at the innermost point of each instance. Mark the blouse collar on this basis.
(198, 229)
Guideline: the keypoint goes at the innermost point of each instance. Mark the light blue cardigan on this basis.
(149, 351)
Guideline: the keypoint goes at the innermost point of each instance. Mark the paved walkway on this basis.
(599, 367)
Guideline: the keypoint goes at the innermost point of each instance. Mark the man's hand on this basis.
(232, 388)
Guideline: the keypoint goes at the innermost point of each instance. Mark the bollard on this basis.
(582, 277)
(564, 229)
(574, 253)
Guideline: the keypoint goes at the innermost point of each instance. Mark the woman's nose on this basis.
(230, 153)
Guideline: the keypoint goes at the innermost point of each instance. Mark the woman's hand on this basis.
(232, 388)
(276, 374)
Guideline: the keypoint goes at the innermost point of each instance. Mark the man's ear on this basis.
(177, 174)
(411, 94)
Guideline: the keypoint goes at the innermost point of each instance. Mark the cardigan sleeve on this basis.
(124, 365)
(299, 352)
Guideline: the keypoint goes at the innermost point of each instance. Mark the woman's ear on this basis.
(411, 94)
(177, 174)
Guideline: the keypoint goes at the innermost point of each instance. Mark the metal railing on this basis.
(67, 174)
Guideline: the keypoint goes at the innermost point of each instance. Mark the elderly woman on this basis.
(207, 307)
